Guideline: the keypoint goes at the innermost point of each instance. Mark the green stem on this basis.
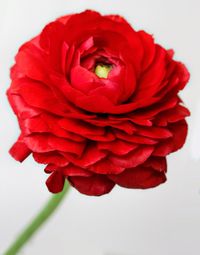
(37, 222)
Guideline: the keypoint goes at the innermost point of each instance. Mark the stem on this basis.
(38, 221)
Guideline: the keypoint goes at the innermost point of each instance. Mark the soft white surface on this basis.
(162, 221)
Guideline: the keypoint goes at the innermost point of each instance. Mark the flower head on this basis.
(97, 103)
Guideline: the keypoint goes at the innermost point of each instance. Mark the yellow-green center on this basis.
(102, 71)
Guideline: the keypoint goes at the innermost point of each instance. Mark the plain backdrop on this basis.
(160, 221)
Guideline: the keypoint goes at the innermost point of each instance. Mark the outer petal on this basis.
(50, 158)
(134, 158)
(55, 182)
(139, 178)
(47, 143)
(179, 131)
(20, 151)
(118, 147)
(90, 156)
(95, 185)
(149, 48)
(106, 166)
(72, 170)
(157, 163)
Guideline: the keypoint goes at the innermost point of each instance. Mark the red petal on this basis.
(134, 138)
(179, 131)
(72, 170)
(134, 158)
(55, 182)
(183, 74)
(20, 151)
(32, 62)
(86, 45)
(149, 48)
(64, 19)
(154, 132)
(90, 156)
(105, 166)
(117, 18)
(20, 108)
(84, 80)
(46, 143)
(51, 168)
(157, 163)
(139, 178)
(119, 123)
(173, 115)
(118, 147)
(152, 79)
(150, 112)
(80, 127)
(50, 158)
(47, 123)
(45, 98)
(95, 185)
(51, 39)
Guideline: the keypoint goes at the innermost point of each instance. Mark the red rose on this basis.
(97, 103)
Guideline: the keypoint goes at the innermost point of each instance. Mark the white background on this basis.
(161, 221)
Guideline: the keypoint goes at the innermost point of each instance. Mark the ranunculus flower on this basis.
(97, 103)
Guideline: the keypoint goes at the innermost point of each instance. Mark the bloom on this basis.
(97, 103)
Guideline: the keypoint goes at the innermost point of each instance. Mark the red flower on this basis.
(97, 103)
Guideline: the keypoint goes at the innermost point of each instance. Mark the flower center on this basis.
(102, 70)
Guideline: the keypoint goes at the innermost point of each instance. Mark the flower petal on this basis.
(95, 185)
(20, 151)
(139, 178)
(55, 182)
(134, 158)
